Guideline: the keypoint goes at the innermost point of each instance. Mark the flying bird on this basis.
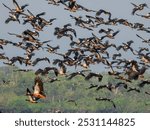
(110, 35)
(60, 32)
(101, 11)
(144, 40)
(38, 90)
(73, 6)
(107, 100)
(133, 89)
(19, 9)
(138, 7)
(146, 16)
(113, 87)
(70, 76)
(40, 59)
(91, 74)
(144, 82)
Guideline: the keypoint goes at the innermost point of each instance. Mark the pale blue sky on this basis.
(118, 8)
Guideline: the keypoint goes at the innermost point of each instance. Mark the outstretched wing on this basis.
(140, 37)
(16, 4)
(38, 88)
(134, 10)
(134, 4)
(7, 7)
(38, 85)
(24, 6)
(115, 33)
(85, 9)
(30, 13)
(31, 98)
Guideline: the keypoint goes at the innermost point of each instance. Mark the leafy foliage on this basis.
(59, 93)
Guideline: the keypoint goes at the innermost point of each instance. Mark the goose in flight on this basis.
(106, 100)
(146, 16)
(138, 7)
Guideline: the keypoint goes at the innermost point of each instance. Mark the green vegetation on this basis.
(58, 93)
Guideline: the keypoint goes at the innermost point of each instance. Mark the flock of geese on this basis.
(83, 52)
